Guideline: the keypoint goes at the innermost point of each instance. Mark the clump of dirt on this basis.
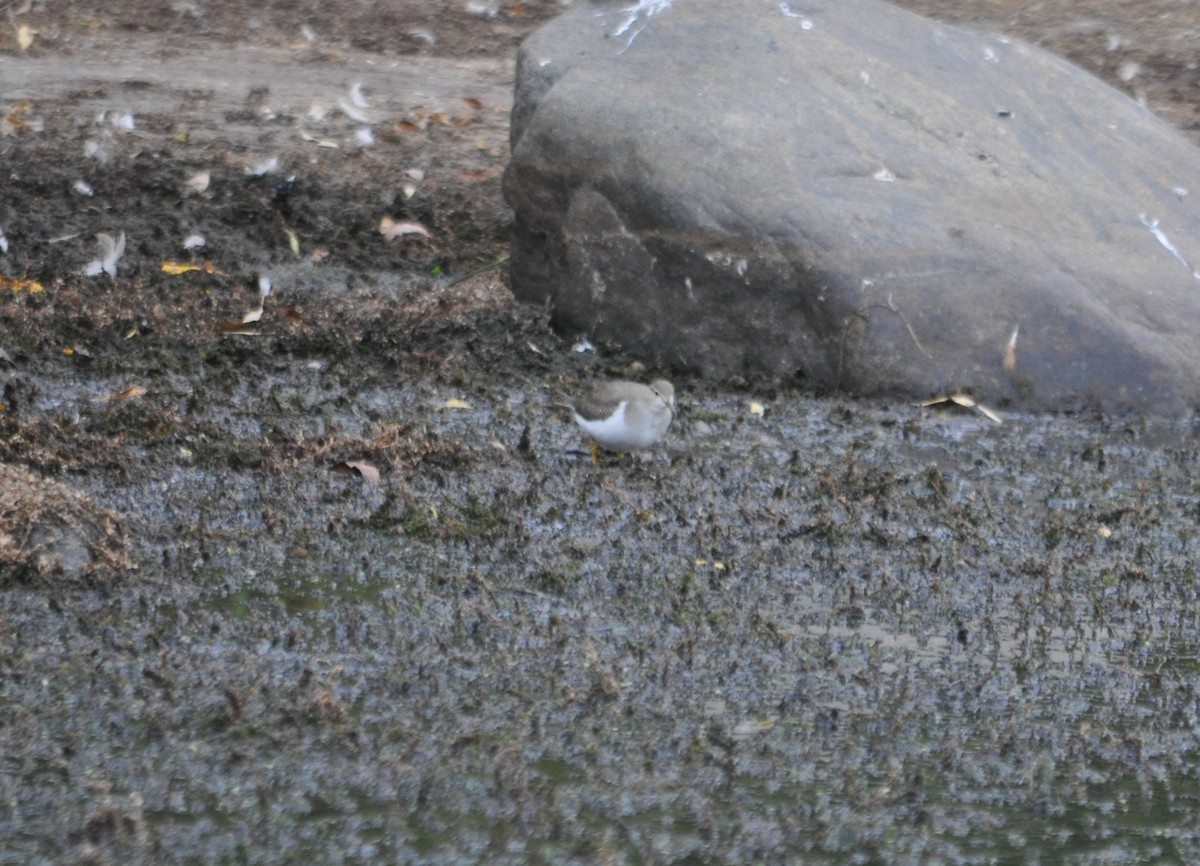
(50, 532)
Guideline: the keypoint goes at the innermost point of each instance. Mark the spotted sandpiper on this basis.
(625, 416)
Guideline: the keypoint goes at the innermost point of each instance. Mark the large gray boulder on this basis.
(856, 195)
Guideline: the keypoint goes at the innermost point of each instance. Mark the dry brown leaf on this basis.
(238, 328)
(127, 394)
(477, 175)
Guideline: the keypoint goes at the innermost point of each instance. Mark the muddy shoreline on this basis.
(838, 631)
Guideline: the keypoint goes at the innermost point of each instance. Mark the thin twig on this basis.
(454, 282)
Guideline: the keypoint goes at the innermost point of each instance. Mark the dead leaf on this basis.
(20, 285)
(474, 102)
(237, 329)
(320, 142)
(176, 268)
(368, 472)
(391, 229)
(965, 401)
(476, 175)
(127, 394)
(25, 35)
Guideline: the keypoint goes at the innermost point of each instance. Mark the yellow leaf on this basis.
(293, 242)
(453, 403)
(25, 37)
(175, 268)
(17, 285)
(757, 408)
